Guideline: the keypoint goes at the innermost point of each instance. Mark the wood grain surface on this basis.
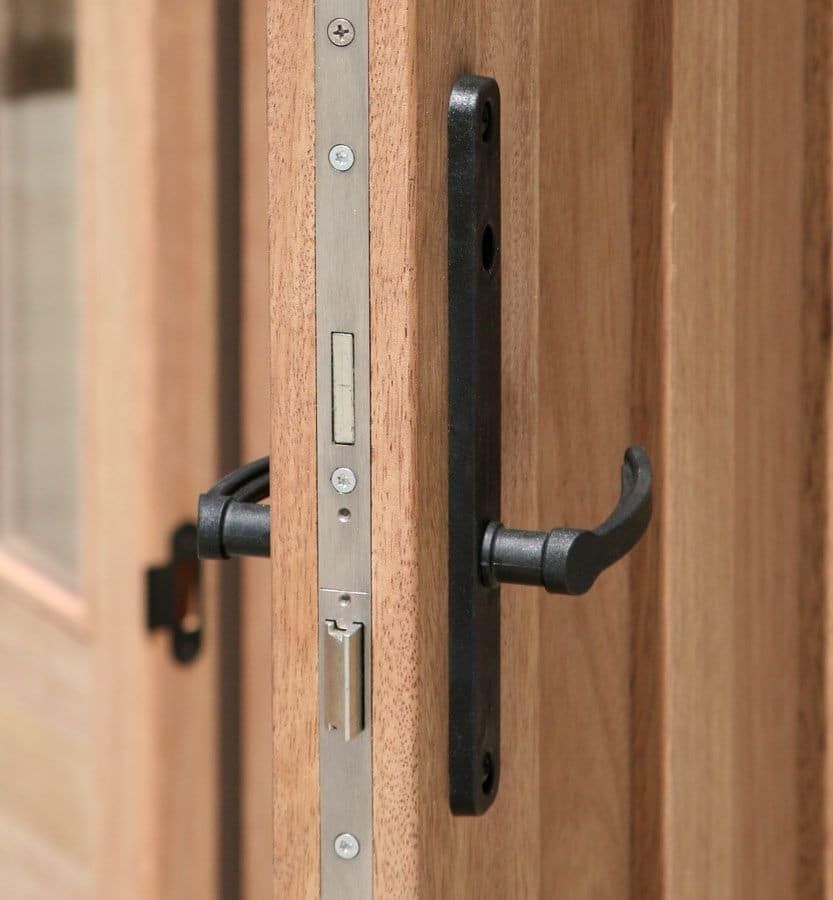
(415, 58)
(292, 344)
(585, 383)
(700, 488)
(769, 448)
(815, 709)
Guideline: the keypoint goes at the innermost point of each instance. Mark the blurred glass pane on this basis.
(39, 309)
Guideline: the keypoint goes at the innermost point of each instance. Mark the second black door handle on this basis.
(230, 519)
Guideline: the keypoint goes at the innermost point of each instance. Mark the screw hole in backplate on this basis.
(486, 122)
(487, 248)
(488, 773)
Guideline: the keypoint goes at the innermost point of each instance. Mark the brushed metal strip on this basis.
(342, 249)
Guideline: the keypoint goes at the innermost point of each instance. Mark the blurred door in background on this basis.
(133, 344)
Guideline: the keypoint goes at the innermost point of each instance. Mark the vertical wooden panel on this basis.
(700, 440)
(585, 383)
(716, 238)
(509, 49)
(734, 398)
(184, 312)
(290, 100)
(767, 446)
(650, 249)
(116, 66)
(417, 51)
(815, 762)
(398, 833)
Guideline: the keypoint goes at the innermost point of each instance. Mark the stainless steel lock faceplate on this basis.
(342, 276)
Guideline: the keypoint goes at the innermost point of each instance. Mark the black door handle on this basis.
(568, 560)
(230, 520)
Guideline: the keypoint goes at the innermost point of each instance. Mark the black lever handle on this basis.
(230, 520)
(568, 560)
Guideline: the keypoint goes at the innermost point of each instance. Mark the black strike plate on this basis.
(473, 440)
(173, 595)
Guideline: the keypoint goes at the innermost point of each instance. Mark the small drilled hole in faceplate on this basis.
(487, 248)
(344, 515)
(345, 599)
(488, 773)
(486, 122)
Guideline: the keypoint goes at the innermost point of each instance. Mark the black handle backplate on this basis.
(473, 439)
(482, 553)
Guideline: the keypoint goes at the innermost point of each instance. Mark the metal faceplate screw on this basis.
(346, 846)
(343, 480)
(342, 157)
(341, 32)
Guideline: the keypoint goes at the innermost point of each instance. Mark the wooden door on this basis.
(666, 280)
(120, 390)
